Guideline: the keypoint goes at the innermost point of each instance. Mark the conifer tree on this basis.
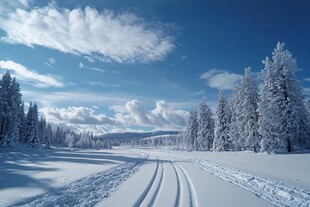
(222, 122)
(281, 108)
(191, 131)
(10, 101)
(205, 126)
(244, 122)
(32, 135)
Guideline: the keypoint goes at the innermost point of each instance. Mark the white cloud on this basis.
(306, 91)
(103, 85)
(163, 116)
(108, 36)
(221, 79)
(51, 61)
(75, 115)
(127, 116)
(306, 79)
(73, 98)
(29, 76)
(81, 66)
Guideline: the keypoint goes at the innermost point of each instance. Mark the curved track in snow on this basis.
(186, 195)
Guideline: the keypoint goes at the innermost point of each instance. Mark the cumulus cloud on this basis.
(221, 79)
(163, 116)
(29, 76)
(107, 35)
(76, 115)
(126, 117)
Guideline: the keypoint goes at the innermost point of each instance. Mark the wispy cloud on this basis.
(108, 36)
(74, 98)
(103, 85)
(221, 79)
(29, 76)
(50, 62)
(81, 65)
(306, 91)
(306, 79)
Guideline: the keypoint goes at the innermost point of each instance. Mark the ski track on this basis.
(87, 191)
(143, 196)
(159, 186)
(184, 185)
(178, 198)
(190, 187)
(276, 192)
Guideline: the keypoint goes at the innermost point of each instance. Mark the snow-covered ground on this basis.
(152, 177)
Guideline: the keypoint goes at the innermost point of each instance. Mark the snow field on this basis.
(87, 191)
(151, 177)
(27, 173)
(278, 193)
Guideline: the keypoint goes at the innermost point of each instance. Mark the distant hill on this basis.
(135, 135)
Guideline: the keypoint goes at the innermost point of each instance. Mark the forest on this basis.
(267, 117)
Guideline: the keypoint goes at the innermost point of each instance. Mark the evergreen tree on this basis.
(244, 122)
(32, 126)
(205, 126)
(191, 131)
(222, 122)
(22, 125)
(281, 108)
(49, 136)
(42, 131)
(10, 101)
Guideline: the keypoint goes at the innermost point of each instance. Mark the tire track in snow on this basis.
(193, 202)
(159, 186)
(178, 198)
(87, 191)
(148, 188)
(185, 186)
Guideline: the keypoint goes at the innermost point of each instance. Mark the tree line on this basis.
(16, 126)
(268, 118)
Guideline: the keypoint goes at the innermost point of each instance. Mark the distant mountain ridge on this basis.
(136, 135)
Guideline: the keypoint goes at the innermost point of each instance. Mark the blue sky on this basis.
(112, 65)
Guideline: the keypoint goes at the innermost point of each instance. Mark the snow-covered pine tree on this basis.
(22, 124)
(49, 136)
(32, 126)
(42, 131)
(10, 101)
(60, 136)
(234, 135)
(14, 128)
(205, 126)
(191, 131)
(281, 108)
(244, 122)
(222, 122)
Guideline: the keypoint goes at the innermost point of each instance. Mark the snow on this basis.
(152, 177)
